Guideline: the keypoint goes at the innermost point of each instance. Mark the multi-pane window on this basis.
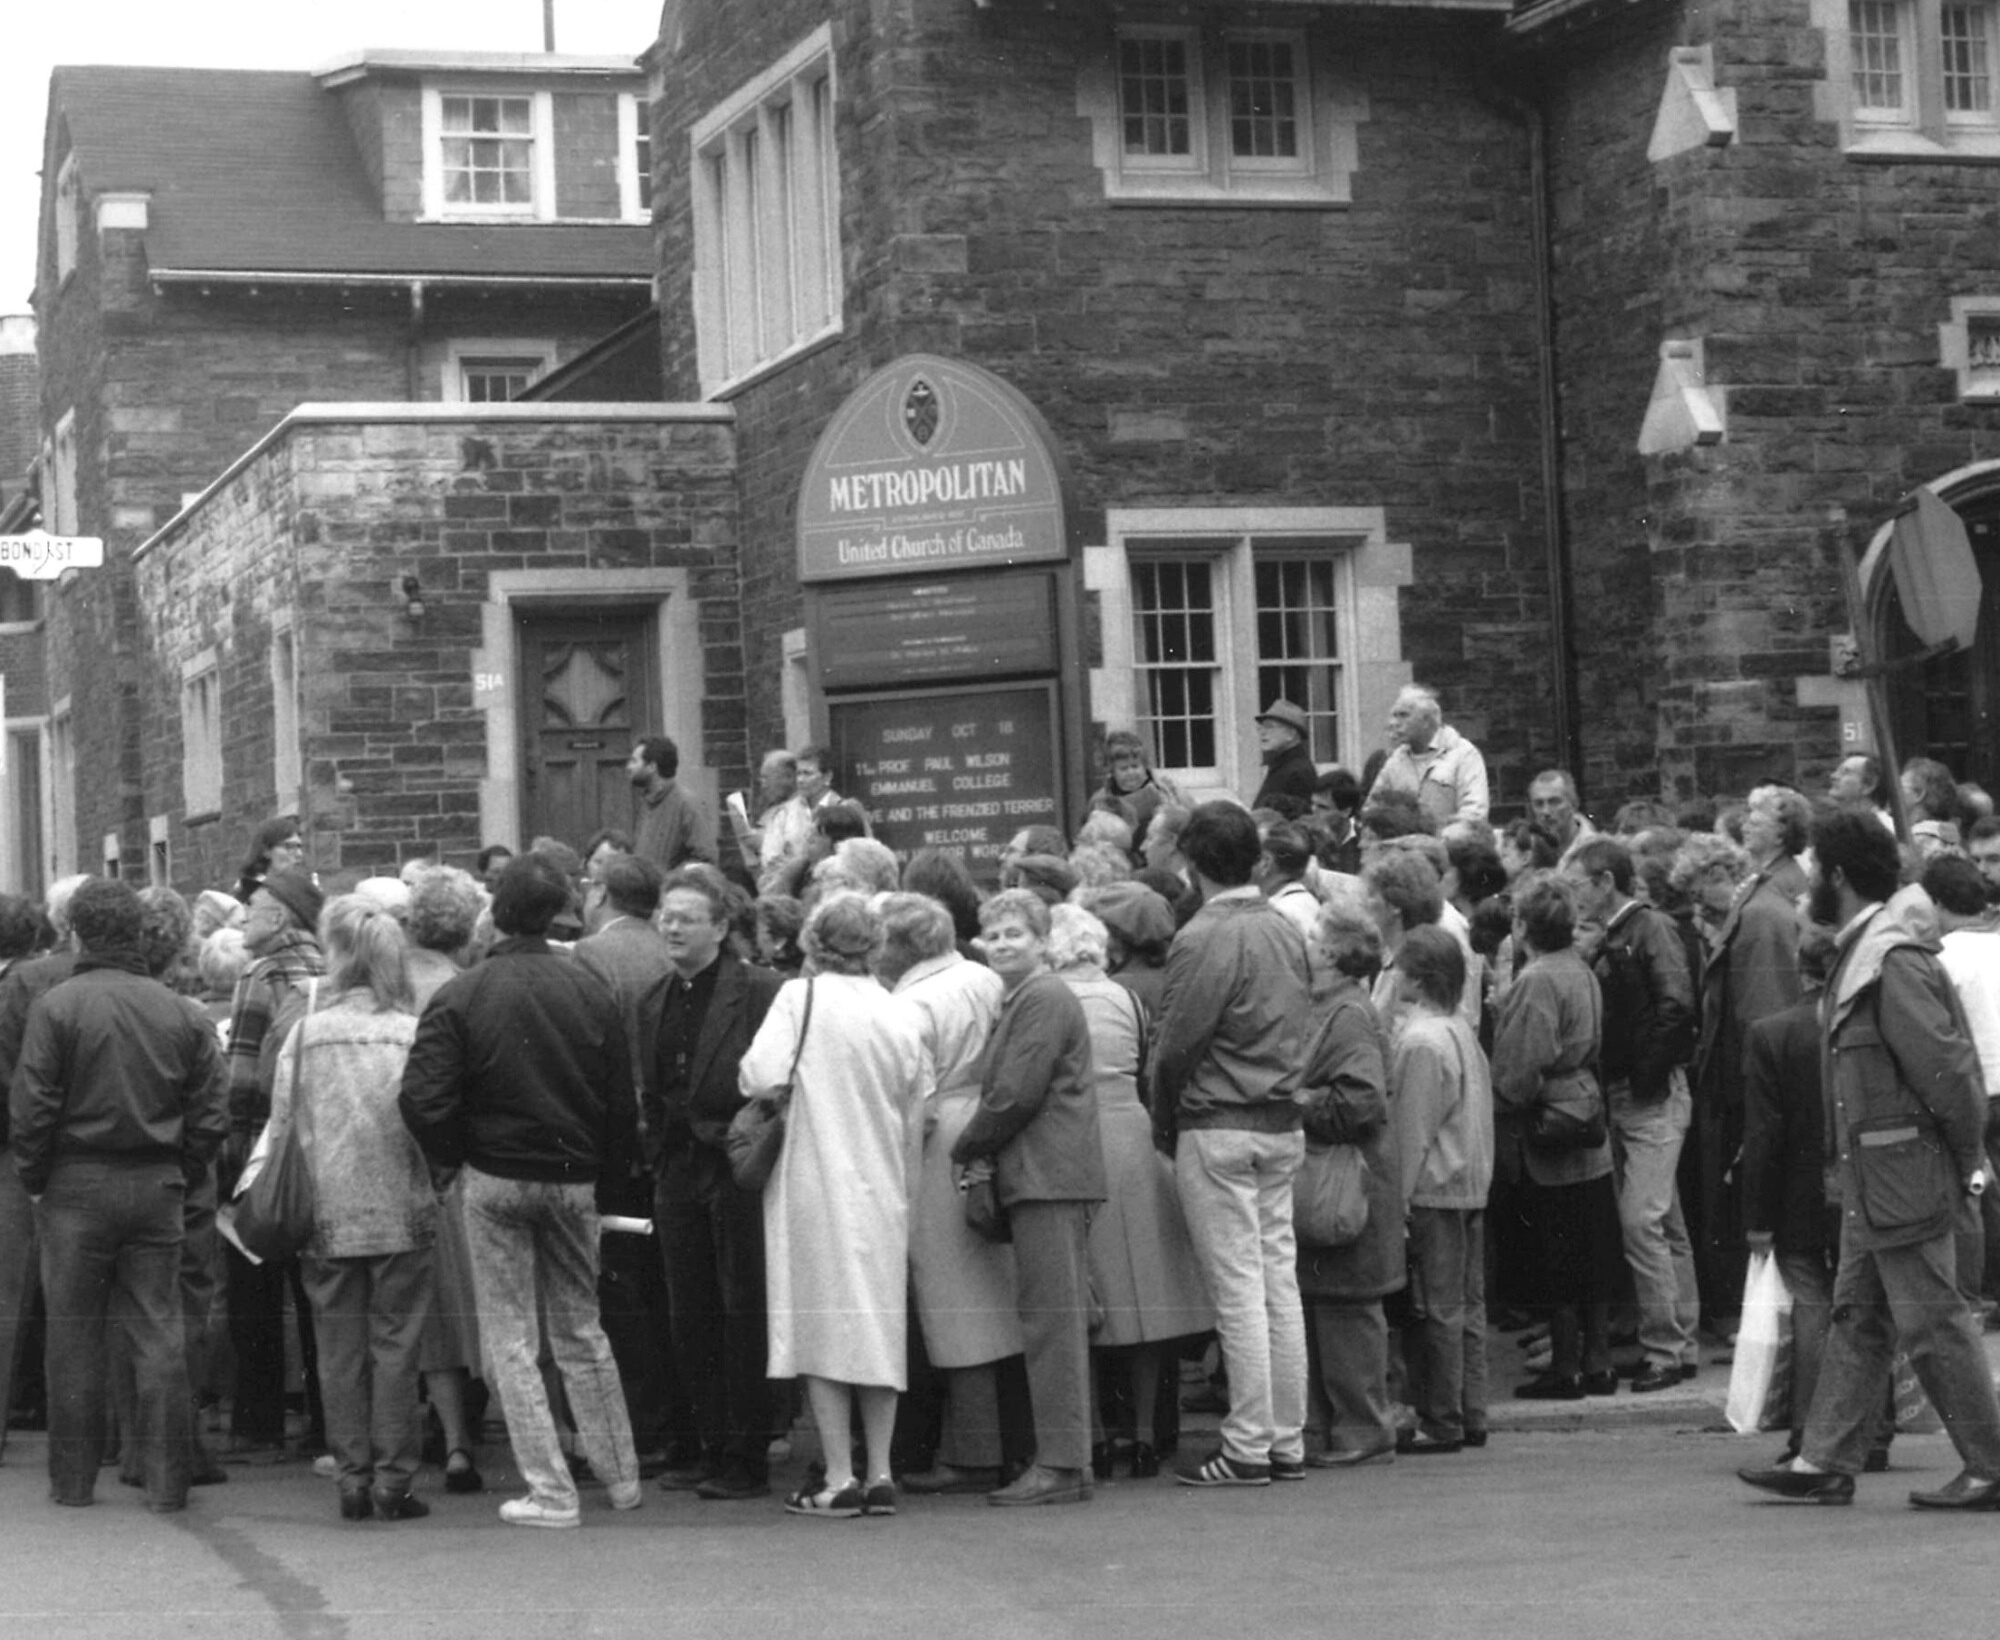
(1966, 33)
(1177, 658)
(1263, 100)
(1917, 75)
(1298, 640)
(1156, 90)
(495, 381)
(768, 276)
(642, 155)
(494, 369)
(488, 152)
(1880, 53)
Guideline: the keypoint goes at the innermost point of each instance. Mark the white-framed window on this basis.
(69, 216)
(1912, 79)
(767, 263)
(62, 791)
(1219, 114)
(1210, 614)
(201, 734)
(63, 515)
(492, 370)
(488, 154)
(635, 158)
(286, 755)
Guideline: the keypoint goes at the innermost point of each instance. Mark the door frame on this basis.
(677, 672)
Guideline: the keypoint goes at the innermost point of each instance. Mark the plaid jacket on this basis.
(292, 959)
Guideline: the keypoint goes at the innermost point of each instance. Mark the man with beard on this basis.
(672, 827)
(1905, 1109)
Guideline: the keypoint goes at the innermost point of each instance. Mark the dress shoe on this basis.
(1475, 1438)
(733, 1484)
(1800, 1486)
(1414, 1443)
(1041, 1484)
(1550, 1387)
(1351, 1457)
(947, 1479)
(1652, 1377)
(1968, 1492)
(1145, 1461)
(1600, 1383)
(356, 1504)
(399, 1506)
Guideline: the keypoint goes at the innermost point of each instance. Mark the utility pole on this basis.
(549, 26)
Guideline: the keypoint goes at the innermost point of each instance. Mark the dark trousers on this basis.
(1711, 1201)
(20, 1274)
(257, 1334)
(633, 1307)
(111, 1249)
(370, 1315)
(712, 1240)
(1052, 1269)
(199, 1278)
(1347, 1373)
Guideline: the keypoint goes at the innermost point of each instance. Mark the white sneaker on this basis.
(625, 1494)
(533, 1511)
(326, 1465)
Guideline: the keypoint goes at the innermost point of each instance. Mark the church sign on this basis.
(931, 465)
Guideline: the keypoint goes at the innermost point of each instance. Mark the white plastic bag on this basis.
(1761, 1338)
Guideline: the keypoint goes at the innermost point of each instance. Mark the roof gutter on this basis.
(392, 281)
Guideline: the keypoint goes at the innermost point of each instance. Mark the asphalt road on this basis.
(1631, 1530)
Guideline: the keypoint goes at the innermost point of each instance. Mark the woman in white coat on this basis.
(837, 1211)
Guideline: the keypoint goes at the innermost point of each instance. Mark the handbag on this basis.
(979, 1193)
(1330, 1196)
(1555, 1126)
(275, 1215)
(756, 1137)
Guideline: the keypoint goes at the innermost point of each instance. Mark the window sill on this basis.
(733, 385)
(1250, 192)
(1905, 147)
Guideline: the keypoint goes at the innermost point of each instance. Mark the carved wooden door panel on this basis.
(585, 695)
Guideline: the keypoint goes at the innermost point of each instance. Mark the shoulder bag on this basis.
(275, 1216)
(1574, 1121)
(756, 1136)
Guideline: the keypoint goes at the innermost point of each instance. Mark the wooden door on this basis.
(1949, 708)
(585, 699)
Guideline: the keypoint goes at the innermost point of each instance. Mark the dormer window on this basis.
(487, 155)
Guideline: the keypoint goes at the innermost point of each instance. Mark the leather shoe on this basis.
(1415, 1443)
(1550, 1387)
(1351, 1457)
(1041, 1484)
(1968, 1492)
(946, 1479)
(1600, 1383)
(1652, 1376)
(1800, 1486)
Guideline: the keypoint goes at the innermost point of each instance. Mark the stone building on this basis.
(1555, 357)
(219, 247)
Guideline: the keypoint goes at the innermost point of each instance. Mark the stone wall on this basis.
(1380, 355)
(316, 530)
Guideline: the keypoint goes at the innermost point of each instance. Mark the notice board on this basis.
(955, 769)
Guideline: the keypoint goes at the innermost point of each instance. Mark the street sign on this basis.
(39, 557)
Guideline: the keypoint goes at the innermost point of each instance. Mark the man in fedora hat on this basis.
(1289, 771)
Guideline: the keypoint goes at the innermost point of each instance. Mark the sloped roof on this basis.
(253, 171)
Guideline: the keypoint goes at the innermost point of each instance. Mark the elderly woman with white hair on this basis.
(964, 1284)
(847, 1061)
(1142, 1265)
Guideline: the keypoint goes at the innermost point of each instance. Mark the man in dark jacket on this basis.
(1905, 1120)
(1283, 735)
(1642, 971)
(1226, 1062)
(521, 1074)
(694, 1025)
(115, 1104)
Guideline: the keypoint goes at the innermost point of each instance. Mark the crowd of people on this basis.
(650, 1140)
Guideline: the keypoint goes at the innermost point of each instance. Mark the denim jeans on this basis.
(1907, 1295)
(1236, 1192)
(201, 1248)
(1646, 1139)
(712, 1243)
(371, 1314)
(1447, 1267)
(111, 1248)
(532, 1240)
(20, 1274)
